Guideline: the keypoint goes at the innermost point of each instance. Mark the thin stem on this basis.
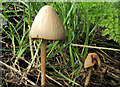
(43, 60)
(88, 77)
(33, 59)
(31, 50)
(104, 48)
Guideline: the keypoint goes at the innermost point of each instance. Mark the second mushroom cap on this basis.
(89, 60)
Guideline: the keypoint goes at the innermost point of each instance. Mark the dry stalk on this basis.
(33, 58)
(17, 71)
(51, 79)
(95, 47)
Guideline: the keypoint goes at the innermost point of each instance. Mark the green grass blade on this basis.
(71, 56)
(57, 51)
(53, 47)
(87, 33)
(64, 76)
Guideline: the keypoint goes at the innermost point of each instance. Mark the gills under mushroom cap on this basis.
(47, 25)
(89, 60)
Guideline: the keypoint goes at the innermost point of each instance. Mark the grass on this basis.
(79, 30)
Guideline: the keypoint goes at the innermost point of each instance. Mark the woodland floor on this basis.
(111, 79)
(109, 59)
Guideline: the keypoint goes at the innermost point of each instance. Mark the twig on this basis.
(45, 74)
(112, 75)
(95, 47)
(17, 71)
(52, 79)
(34, 57)
(30, 40)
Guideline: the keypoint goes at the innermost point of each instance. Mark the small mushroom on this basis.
(46, 26)
(104, 71)
(92, 60)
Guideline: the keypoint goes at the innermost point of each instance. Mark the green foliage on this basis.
(5, 82)
(17, 33)
(108, 12)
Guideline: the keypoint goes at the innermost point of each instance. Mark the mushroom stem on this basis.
(43, 60)
(88, 77)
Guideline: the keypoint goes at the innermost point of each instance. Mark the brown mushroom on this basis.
(92, 60)
(104, 71)
(46, 26)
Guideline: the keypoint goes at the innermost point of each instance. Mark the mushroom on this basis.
(92, 60)
(104, 71)
(46, 26)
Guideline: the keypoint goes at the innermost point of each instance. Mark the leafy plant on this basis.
(108, 12)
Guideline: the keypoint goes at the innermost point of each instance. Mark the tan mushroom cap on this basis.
(88, 61)
(47, 25)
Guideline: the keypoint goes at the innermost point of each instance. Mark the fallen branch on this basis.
(17, 71)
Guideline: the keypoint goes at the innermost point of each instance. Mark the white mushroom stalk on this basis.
(46, 26)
